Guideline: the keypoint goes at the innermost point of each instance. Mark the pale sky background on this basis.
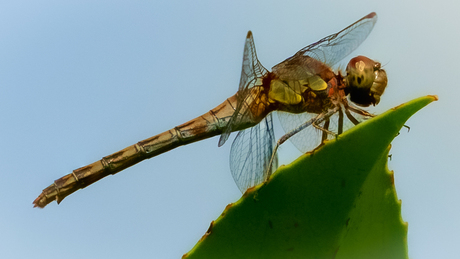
(80, 80)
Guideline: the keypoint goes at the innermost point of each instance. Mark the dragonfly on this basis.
(313, 103)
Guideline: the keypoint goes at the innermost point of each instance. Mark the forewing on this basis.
(330, 49)
(251, 73)
(252, 69)
(251, 152)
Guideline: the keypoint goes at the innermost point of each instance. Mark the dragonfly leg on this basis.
(358, 111)
(351, 118)
(340, 127)
(324, 129)
(315, 121)
(364, 113)
(268, 173)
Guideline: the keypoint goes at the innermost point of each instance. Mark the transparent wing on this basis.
(252, 69)
(311, 137)
(328, 50)
(307, 139)
(251, 153)
(251, 73)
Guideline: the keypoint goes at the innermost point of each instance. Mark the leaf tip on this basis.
(434, 97)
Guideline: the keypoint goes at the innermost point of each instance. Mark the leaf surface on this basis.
(338, 201)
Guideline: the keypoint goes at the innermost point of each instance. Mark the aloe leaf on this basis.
(338, 201)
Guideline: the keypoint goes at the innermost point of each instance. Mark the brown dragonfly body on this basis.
(205, 126)
(301, 84)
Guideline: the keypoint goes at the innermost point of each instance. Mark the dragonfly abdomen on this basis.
(208, 125)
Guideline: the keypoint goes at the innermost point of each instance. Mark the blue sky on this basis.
(80, 80)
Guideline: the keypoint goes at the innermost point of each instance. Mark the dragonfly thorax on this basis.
(298, 96)
(292, 92)
(365, 81)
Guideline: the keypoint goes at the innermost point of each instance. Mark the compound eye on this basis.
(365, 81)
(360, 73)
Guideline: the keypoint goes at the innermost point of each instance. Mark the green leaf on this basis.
(338, 201)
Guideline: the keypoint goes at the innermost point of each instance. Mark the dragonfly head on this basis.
(365, 81)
